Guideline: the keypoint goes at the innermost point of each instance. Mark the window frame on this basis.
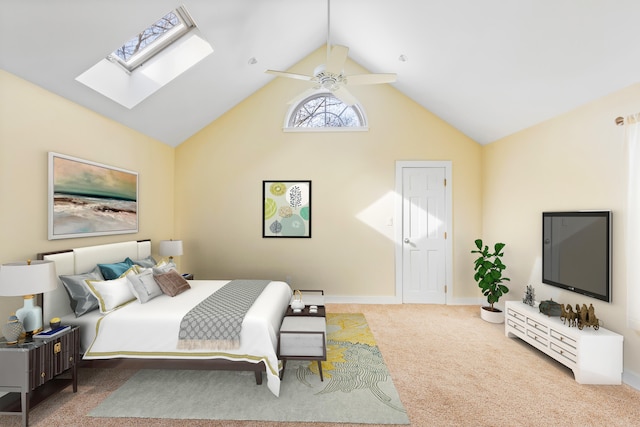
(359, 110)
(159, 44)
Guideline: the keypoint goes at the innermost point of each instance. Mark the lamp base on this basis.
(30, 315)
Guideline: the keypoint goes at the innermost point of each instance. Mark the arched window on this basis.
(325, 111)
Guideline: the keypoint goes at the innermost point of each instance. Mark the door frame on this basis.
(398, 226)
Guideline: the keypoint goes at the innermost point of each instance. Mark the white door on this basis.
(424, 234)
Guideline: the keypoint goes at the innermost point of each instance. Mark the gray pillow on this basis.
(147, 262)
(82, 300)
(165, 268)
(144, 286)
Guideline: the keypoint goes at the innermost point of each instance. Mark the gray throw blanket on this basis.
(216, 322)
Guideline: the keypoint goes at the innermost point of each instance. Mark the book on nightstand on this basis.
(50, 333)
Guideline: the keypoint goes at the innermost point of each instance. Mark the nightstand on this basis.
(29, 371)
(303, 334)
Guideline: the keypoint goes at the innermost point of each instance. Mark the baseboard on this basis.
(389, 299)
(345, 299)
(631, 379)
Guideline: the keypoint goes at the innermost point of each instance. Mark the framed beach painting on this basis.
(286, 210)
(90, 199)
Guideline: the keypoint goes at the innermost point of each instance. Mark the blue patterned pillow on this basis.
(115, 270)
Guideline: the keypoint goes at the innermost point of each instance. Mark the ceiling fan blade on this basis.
(371, 79)
(335, 62)
(345, 96)
(289, 75)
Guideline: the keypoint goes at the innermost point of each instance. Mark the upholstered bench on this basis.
(303, 338)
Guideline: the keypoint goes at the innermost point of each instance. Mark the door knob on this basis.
(406, 240)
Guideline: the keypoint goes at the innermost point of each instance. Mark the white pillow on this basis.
(111, 294)
(144, 286)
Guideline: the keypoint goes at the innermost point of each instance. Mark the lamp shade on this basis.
(170, 248)
(27, 278)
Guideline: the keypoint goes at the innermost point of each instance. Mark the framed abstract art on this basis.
(90, 199)
(286, 210)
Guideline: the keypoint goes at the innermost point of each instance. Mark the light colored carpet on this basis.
(357, 388)
(449, 367)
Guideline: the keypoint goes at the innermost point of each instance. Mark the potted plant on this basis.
(489, 268)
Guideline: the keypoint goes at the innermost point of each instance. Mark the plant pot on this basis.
(495, 316)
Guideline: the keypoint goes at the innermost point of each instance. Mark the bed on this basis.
(146, 334)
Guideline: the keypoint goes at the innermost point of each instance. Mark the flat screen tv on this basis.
(576, 252)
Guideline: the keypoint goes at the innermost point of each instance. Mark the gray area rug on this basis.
(357, 388)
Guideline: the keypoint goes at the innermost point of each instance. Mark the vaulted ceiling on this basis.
(489, 68)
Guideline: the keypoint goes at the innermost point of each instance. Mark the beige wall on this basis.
(34, 122)
(573, 162)
(219, 175)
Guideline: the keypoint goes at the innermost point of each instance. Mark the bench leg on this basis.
(320, 370)
(258, 377)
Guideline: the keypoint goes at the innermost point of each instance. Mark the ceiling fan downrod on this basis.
(328, 29)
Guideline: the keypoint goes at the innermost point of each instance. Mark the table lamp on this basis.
(170, 248)
(28, 279)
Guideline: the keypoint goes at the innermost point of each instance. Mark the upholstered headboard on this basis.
(82, 260)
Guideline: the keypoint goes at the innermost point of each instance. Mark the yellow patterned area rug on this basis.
(357, 388)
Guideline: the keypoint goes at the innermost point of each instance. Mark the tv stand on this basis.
(595, 357)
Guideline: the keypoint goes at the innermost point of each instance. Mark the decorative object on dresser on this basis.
(12, 329)
(488, 269)
(550, 308)
(28, 279)
(595, 357)
(29, 371)
(90, 199)
(297, 304)
(529, 296)
(585, 316)
(170, 248)
(286, 209)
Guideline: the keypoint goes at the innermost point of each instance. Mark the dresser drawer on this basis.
(534, 335)
(52, 359)
(515, 316)
(532, 323)
(569, 355)
(563, 341)
(515, 324)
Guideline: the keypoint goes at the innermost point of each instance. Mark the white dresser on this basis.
(594, 356)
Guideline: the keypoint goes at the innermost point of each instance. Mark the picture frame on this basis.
(90, 199)
(286, 209)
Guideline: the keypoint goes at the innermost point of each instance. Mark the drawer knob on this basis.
(42, 374)
(57, 347)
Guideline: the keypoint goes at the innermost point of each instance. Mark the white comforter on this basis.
(151, 330)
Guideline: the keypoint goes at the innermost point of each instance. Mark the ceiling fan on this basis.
(330, 77)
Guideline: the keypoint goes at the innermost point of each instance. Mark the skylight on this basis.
(167, 48)
(152, 39)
